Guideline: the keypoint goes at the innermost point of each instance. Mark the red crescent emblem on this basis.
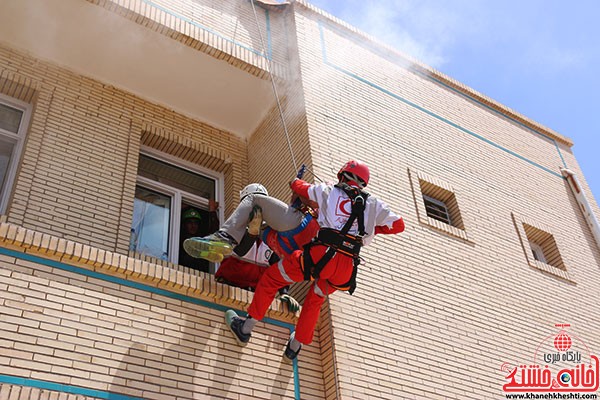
(342, 207)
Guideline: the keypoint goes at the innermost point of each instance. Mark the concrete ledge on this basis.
(168, 276)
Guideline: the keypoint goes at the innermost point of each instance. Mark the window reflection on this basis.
(6, 149)
(150, 226)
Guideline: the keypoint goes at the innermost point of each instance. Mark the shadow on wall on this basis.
(190, 354)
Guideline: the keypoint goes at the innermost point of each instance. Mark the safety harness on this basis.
(340, 241)
(286, 239)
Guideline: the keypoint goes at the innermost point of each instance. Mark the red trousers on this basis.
(240, 273)
(337, 272)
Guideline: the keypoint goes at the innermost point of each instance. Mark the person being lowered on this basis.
(261, 246)
(349, 218)
(288, 227)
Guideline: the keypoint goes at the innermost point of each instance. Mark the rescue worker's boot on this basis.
(213, 247)
(289, 353)
(235, 323)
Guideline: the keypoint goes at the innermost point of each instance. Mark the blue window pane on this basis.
(150, 226)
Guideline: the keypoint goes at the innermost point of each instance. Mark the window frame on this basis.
(538, 252)
(559, 270)
(179, 196)
(421, 183)
(19, 142)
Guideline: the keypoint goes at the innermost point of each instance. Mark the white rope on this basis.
(274, 87)
(269, 70)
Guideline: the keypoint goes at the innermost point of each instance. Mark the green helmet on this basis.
(191, 213)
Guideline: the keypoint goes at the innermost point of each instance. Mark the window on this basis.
(151, 221)
(440, 204)
(168, 191)
(543, 246)
(14, 120)
(437, 205)
(541, 249)
(437, 209)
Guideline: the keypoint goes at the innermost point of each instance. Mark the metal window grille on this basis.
(437, 209)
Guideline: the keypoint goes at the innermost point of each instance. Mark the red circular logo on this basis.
(562, 342)
(345, 207)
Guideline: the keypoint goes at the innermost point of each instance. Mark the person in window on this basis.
(197, 223)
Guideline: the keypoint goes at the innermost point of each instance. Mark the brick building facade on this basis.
(116, 115)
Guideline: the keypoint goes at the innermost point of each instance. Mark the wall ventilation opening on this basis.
(543, 247)
(441, 204)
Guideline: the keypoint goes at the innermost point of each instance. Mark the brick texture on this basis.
(437, 310)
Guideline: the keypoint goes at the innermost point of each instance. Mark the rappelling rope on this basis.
(276, 94)
(269, 70)
(262, 43)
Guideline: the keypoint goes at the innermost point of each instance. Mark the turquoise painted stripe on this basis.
(181, 17)
(143, 287)
(522, 125)
(432, 114)
(269, 41)
(296, 379)
(561, 156)
(323, 47)
(131, 284)
(438, 117)
(58, 387)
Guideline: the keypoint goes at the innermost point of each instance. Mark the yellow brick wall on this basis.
(77, 177)
(434, 316)
(86, 332)
(72, 204)
(229, 31)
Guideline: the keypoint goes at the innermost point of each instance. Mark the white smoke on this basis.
(421, 29)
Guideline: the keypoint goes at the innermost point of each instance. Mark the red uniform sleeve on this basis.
(300, 187)
(397, 227)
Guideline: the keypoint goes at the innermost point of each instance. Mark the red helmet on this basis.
(356, 172)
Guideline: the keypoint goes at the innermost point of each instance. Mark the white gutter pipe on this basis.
(584, 205)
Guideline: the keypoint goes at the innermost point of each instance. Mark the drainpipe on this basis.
(589, 216)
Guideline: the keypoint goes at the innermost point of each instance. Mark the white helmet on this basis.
(253, 188)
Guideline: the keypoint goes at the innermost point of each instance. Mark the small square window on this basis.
(437, 209)
(541, 249)
(437, 205)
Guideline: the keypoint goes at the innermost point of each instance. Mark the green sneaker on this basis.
(212, 257)
(213, 247)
